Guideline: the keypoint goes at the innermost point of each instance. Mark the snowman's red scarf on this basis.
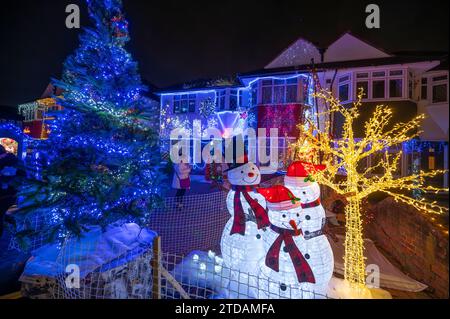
(301, 266)
(311, 204)
(262, 220)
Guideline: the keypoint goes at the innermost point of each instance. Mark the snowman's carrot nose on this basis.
(294, 226)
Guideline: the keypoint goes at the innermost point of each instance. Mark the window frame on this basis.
(424, 86)
(345, 79)
(179, 99)
(439, 80)
(273, 84)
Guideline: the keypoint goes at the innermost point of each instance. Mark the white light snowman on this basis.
(284, 273)
(241, 244)
(313, 218)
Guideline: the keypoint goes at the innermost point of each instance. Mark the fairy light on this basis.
(346, 155)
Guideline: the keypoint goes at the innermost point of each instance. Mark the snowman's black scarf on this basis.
(301, 266)
(262, 220)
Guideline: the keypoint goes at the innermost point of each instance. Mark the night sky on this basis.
(177, 41)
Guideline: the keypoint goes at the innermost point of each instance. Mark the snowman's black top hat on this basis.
(239, 158)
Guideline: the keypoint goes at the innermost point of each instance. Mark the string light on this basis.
(346, 155)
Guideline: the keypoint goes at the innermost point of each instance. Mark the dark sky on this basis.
(176, 41)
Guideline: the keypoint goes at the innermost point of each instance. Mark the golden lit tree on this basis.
(346, 157)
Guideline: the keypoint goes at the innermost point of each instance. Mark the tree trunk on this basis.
(354, 264)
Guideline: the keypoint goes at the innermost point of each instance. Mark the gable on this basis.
(348, 48)
(299, 53)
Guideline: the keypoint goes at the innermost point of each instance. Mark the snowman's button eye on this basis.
(284, 215)
(304, 193)
(308, 217)
(298, 215)
(242, 172)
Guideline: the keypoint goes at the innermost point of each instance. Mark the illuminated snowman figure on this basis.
(285, 271)
(312, 218)
(242, 239)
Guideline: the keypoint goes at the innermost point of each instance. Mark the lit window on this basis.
(431, 159)
(233, 100)
(221, 100)
(362, 75)
(344, 88)
(395, 88)
(279, 91)
(191, 102)
(176, 104)
(424, 89)
(254, 94)
(291, 93)
(439, 93)
(440, 90)
(184, 103)
(305, 90)
(343, 92)
(410, 85)
(267, 95)
(379, 74)
(378, 89)
(396, 73)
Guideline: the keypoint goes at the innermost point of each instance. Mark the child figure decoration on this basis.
(298, 179)
(284, 272)
(242, 244)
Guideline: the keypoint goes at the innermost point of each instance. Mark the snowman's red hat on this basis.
(298, 172)
(279, 198)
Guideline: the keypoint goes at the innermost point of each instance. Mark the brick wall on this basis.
(414, 242)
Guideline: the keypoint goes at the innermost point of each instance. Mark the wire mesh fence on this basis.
(187, 264)
(196, 276)
(36, 225)
(187, 223)
(204, 276)
(190, 223)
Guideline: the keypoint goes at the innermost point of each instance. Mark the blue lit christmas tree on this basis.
(102, 160)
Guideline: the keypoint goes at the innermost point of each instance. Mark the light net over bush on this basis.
(121, 264)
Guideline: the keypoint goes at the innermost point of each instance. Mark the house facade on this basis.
(280, 95)
(35, 113)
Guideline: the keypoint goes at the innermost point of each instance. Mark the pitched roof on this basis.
(343, 65)
(50, 91)
(349, 47)
(299, 52)
(346, 47)
(217, 83)
(442, 66)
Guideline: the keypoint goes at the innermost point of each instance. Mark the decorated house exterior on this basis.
(280, 95)
(233, 105)
(35, 113)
